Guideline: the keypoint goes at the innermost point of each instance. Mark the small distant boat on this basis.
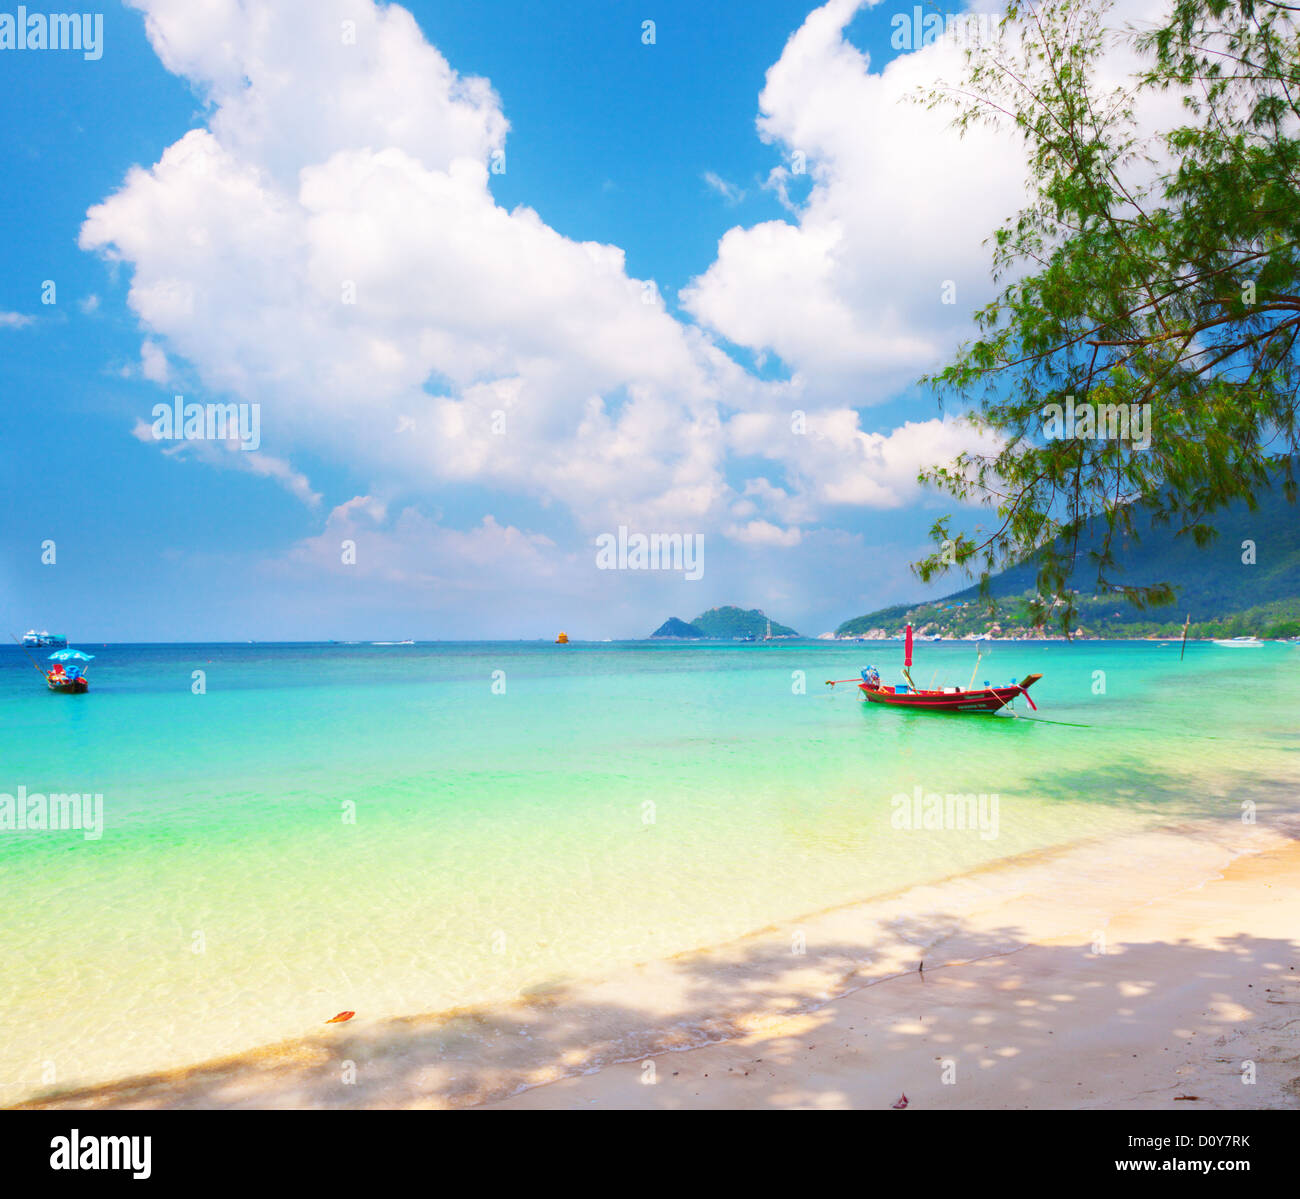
(562, 639)
(68, 679)
(1239, 642)
(44, 638)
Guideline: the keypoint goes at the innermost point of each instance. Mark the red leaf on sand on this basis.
(902, 1102)
(340, 1018)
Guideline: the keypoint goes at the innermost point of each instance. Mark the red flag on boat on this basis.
(907, 649)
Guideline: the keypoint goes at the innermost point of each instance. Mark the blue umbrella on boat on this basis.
(74, 656)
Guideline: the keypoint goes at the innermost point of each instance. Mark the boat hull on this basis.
(70, 686)
(986, 699)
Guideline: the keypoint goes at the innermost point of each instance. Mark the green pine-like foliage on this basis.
(1154, 271)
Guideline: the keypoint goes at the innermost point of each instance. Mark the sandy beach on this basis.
(1150, 970)
(1192, 987)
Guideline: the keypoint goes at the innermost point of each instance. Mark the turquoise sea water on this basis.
(401, 829)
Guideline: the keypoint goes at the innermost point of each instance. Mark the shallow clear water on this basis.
(377, 829)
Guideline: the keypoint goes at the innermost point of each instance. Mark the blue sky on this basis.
(825, 301)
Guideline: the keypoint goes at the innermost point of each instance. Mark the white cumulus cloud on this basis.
(328, 246)
(851, 291)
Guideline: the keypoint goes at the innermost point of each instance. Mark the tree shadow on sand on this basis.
(952, 1015)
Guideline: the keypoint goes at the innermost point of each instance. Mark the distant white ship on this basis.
(32, 637)
(1239, 643)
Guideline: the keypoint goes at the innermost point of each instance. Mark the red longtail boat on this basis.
(950, 699)
(940, 699)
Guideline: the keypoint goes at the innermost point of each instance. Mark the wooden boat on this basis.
(940, 699)
(70, 679)
(950, 699)
(66, 685)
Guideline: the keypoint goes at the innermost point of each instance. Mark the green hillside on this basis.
(672, 627)
(1225, 592)
(728, 622)
(724, 624)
